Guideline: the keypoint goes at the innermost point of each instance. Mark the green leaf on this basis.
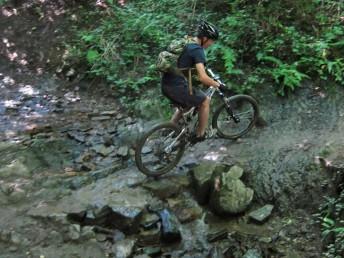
(328, 222)
(92, 56)
(88, 38)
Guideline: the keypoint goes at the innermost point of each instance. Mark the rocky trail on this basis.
(70, 188)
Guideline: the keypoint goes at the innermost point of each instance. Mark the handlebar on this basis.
(216, 78)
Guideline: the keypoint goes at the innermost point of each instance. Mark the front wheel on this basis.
(160, 149)
(235, 117)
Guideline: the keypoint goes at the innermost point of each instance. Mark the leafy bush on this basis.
(283, 42)
(331, 218)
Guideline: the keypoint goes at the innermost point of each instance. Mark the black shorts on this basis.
(180, 95)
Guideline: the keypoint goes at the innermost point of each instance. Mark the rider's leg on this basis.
(203, 115)
(176, 116)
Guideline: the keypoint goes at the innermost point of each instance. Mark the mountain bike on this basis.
(160, 149)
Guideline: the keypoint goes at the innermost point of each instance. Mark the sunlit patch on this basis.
(42, 204)
(9, 12)
(74, 17)
(16, 187)
(23, 62)
(11, 103)
(59, 12)
(10, 133)
(8, 80)
(33, 115)
(28, 90)
(7, 42)
(39, 71)
(65, 54)
(212, 156)
(12, 56)
(322, 161)
(71, 97)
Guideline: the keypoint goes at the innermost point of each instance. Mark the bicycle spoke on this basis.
(160, 150)
(244, 110)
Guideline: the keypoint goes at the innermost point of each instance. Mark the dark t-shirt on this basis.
(192, 55)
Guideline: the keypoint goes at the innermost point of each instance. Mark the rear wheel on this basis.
(245, 112)
(159, 150)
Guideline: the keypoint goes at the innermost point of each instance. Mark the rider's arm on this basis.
(203, 76)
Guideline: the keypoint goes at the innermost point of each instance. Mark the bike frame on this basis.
(188, 116)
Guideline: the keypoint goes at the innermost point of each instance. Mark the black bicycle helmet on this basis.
(206, 29)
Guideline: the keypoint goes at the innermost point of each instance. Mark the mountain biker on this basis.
(175, 87)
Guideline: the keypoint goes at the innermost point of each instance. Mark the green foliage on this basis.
(279, 42)
(332, 223)
(123, 45)
(284, 74)
(300, 34)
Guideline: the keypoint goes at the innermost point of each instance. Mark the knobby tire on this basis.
(247, 120)
(146, 141)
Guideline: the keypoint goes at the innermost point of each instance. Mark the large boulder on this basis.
(230, 195)
(202, 178)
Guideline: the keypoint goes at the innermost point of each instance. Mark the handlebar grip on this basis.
(222, 87)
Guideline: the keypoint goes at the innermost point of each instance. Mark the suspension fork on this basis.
(229, 109)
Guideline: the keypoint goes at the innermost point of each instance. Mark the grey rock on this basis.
(84, 157)
(109, 113)
(118, 235)
(3, 198)
(74, 232)
(153, 251)
(78, 182)
(108, 141)
(261, 214)
(55, 237)
(170, 226)
(142, 256)
(149, 220)
(105, 151)
(87, 233)
(15, 238)
(5, 235)
(123, 248)
(15, 169)
(150, 237)
(80, 137)
(201, 176)
(126, 219)
(163, 189)
(101, 118)
(253, 253)
(185, 208)
(216, 252)
(17, 196)
(235, 172)
(123, 151)
(233, 196)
